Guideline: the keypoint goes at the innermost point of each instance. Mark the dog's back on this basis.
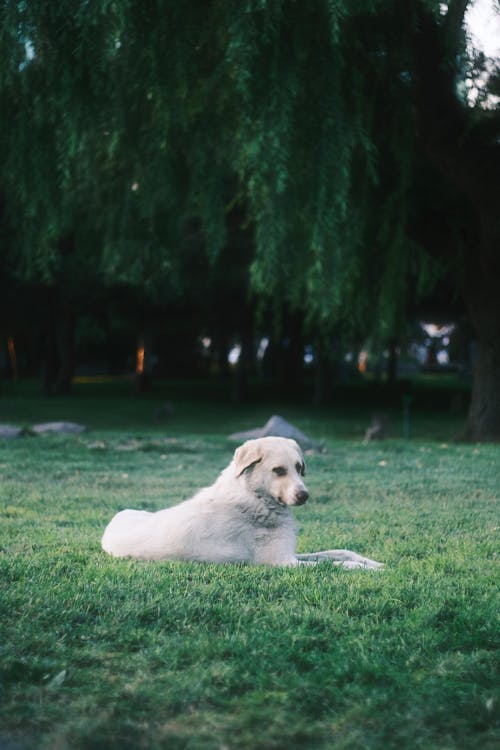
(128, 534)
(207, 528)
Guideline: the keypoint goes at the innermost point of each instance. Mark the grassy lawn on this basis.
(103, 653)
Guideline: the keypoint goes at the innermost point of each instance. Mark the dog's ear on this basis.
(301, 457)
(246, 456)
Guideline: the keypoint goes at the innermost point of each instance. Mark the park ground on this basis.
(104, 653)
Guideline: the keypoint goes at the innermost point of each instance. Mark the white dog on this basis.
(244, 516)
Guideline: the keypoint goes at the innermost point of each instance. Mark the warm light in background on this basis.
(12, 355)
(139, 368)
(362, 360)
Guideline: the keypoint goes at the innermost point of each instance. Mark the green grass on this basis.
(103, 653)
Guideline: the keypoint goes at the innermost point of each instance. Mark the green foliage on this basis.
(127, 121)
(97, 652)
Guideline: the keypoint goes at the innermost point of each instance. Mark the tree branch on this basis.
(444, 124)
(454, 19)
(440, 117)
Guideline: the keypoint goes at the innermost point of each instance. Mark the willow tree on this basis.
(344, 107)
(127, 122)
(97, 176)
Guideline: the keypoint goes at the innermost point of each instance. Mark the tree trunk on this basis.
(49, 345)
(66, 349)
(322, 376)
(292, 353)
(58, 347)
(455, 138)
(483, 422)
(392, 362)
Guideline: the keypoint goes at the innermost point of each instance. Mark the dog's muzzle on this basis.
(301, 497)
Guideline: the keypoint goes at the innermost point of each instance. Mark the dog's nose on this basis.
(301, 497)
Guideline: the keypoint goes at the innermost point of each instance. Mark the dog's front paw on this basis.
(365, 564)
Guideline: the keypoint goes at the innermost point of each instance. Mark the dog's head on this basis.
(274, 466)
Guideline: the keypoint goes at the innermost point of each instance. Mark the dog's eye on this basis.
(301, 469)
(280, 471)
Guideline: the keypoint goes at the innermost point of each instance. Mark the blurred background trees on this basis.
(214, 175)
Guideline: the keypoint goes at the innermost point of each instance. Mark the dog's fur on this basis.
(244, 516)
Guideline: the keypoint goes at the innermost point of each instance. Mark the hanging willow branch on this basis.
(129, 121)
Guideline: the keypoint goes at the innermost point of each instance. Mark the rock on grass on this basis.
(276, 426)
(71, 428)
(9, 432)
